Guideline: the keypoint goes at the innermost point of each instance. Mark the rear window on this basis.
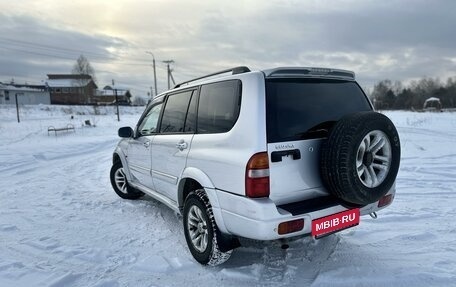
(308, 108)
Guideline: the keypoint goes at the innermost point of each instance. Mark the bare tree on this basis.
(128, 96)
(83, 67)
(380, 96)
(389, 95)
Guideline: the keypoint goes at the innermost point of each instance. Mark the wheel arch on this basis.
(192, 179)
(119, 155)
(116, 158)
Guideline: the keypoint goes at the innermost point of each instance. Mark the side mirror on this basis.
(125, 132)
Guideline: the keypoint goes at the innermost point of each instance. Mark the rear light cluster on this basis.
(387, 199)
(257, 185)
(257, 176)
(291, 226)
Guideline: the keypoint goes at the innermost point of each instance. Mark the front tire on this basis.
(120, 184)
(201, 232)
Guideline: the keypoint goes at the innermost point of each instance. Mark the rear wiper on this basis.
(312, 134)
(318, 131)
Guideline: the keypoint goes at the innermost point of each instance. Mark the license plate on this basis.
(335, 222)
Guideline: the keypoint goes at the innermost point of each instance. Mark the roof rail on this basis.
(234, 71)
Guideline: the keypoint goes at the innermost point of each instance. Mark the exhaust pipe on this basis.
(373, 215)
(284, 244)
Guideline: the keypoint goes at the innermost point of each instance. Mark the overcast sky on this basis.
(398, 40)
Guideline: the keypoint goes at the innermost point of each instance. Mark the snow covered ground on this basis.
(62, 225)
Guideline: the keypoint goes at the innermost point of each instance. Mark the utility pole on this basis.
(17, 108)
(170, 76)
(117, 102)
(155, 74)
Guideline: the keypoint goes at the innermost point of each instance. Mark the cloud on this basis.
(399, 40)
(30, 50)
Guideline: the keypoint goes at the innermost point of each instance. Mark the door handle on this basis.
(146, 144)
(181, 145)
(276, 156)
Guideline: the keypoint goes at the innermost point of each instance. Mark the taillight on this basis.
(387, 199)
(257, 176)
(290, 226)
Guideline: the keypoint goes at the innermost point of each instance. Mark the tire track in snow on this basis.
(44, 159)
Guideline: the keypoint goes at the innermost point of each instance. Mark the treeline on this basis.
(396, 96)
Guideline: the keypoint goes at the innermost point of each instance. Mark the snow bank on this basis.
(62, 225)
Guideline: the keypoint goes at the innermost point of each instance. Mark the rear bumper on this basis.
(259, 218)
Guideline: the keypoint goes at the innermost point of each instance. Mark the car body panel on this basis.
(169, 162)
(139, 159)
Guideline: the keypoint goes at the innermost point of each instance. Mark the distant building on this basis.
(107, 96)
(64, 89)
(26, 94)
(69, 89)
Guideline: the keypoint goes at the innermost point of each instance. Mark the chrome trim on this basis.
(140, 169)
(164, 176)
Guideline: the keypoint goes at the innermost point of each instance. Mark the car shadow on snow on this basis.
(303, 261)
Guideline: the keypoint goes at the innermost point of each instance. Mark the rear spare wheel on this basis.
(360, 159)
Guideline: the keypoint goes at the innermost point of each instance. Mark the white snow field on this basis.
(62, 225)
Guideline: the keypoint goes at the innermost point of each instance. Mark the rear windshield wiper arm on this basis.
(318, 131)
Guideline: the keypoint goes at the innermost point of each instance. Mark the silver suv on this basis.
(263, 155)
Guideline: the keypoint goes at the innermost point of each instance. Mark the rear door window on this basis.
(308, 108)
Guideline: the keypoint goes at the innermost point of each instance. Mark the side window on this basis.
(219, 106)
(174, 114)
(148, 125)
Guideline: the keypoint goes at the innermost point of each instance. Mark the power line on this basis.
(68, 54)
(35, 53)
(118, 62)
(65, 53)
(47, 47)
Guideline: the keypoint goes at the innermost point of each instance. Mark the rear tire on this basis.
(201, 232)
(120, 184)
(360, 159)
